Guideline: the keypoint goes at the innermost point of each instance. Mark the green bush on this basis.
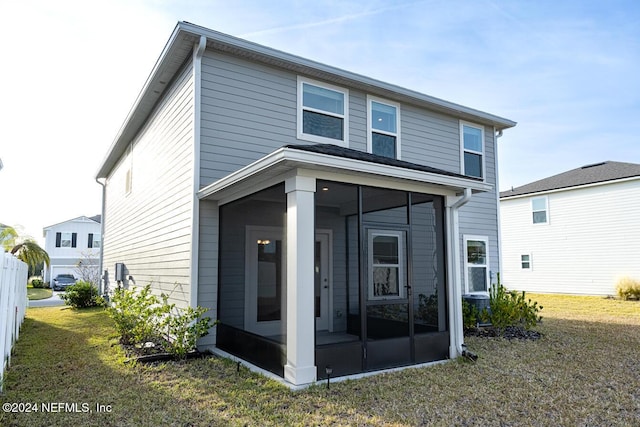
(628, 288)
(134, 314)
(181, 327)
(82, 295)
(506, 308)
(511, 308)
(142, 317)
(38, 283)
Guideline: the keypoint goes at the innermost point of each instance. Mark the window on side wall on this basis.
(383, 119)
(322, 112)
(525, 261)
(476, 256)
(540, 210)
(472, 149)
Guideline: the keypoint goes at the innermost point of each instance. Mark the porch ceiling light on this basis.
(263, 242)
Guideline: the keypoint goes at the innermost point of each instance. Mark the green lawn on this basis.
(38, 293)
(584, 371)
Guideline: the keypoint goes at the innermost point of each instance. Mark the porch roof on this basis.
(330, 162)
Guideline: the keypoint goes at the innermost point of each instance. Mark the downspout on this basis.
(454, 291)
(198, 53)
(102, 289)
(498, 134)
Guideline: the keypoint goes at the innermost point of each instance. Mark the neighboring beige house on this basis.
(323, 217)
(574, 233)
(71, 242)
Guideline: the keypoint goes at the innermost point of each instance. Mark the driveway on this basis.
(48, 302)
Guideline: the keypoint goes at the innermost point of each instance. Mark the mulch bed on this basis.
(510, 332)
(154, 352)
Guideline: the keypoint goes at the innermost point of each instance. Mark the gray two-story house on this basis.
(325, 218)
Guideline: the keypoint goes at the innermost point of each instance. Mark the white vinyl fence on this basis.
(13, 304)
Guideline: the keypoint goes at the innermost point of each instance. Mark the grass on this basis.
(584, 371)
(38, 293)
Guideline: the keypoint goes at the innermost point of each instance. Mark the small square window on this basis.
(525, 261)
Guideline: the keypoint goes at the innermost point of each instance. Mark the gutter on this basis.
(102, 286)
(454, 291)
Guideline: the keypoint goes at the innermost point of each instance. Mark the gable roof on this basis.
(585, 175)
(96, 218)
(179, 49)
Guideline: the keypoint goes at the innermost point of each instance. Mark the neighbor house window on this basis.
(472, 149)
(322, 112)
(66, 240)
(525, 261)
(383, 118)
(476, 263)
(539, 209)
(94, 240)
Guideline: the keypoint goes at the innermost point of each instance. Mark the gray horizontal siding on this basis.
(249, 110)
(149, 230)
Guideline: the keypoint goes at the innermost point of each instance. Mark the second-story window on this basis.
(322, 112)
(539, 209)
(66, 240)
(94, 240)
(472, 149)
(383, 118)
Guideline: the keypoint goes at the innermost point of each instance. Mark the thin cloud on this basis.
(337, 20)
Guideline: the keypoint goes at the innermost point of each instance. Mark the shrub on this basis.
(511, 308)
(469, 315)
(38, 283)
(628, 288)
(181, 327)
(142, 317)
(134, 314)
(82, 295)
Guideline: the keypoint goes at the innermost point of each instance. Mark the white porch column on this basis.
(300, 367)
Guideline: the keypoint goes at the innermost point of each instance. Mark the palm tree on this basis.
(24, 248)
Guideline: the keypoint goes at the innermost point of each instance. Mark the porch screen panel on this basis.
(428, 287)
(263, 260)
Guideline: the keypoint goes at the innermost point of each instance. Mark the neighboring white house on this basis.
(71, 242)
(575, 233)
(325, 219)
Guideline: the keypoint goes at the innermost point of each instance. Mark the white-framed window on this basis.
(387, 275)
(540, 210)
(323, 112)
(94, 240)
(472, 149)
(525, 261)
(383, 123)
(476, 263)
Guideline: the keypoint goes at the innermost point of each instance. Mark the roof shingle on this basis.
(589, 174)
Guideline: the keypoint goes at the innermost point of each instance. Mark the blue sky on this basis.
(566, 71)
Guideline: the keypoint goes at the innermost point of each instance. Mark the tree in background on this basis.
(23, 247)
(88, 268)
